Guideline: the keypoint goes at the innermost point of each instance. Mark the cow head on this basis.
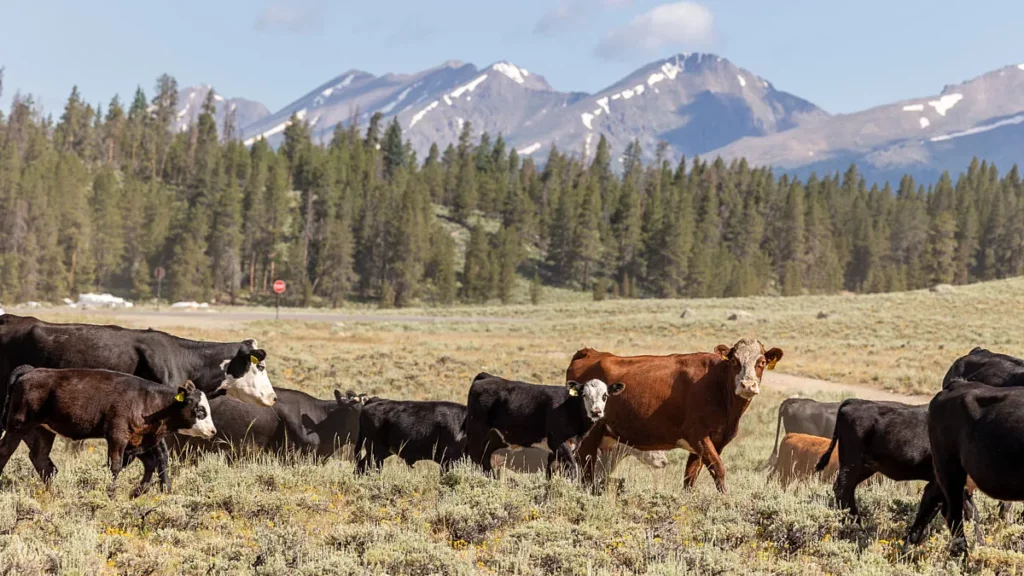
(194, 417)
(246, 379)
(749, 360)
(350, 396)
(595, 394)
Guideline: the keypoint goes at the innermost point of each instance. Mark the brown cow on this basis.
(690, 401)
(798, 455)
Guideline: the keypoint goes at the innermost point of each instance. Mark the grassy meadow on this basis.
(266, 516)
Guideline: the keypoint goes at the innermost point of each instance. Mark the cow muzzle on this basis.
(747, 389)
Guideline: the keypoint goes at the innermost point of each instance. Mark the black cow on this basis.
(237, 369)
(993, 369)
(296, 422)
(985, 367)
(413, 430)
(803, 416)
(977, 434)
(132, 414)
(889, 438)
(503, 413)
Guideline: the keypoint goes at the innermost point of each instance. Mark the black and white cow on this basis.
(237, 369)
(130, 413)
(976, 433)
(503, 413)
(297, 422)
(412, 430)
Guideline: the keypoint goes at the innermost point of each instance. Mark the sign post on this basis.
(159, 272)
(279, 288)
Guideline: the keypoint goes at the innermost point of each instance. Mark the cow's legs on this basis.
(151, 462)
(710, 458)
(932, 501)
(40, 444)
(952, 478)
(8, 444)
(115, 456)
(493, 442)
(845, 488)
(692, 470)
(161, 470)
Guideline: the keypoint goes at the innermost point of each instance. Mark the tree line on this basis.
(99, 198)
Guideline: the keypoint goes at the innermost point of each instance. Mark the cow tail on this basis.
(15, 376)
(823, 461)
(774, 456)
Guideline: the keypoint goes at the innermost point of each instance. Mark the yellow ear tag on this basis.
(180, 397)
(725, 356)
(254, 359)
(771, 365)
(573, 392)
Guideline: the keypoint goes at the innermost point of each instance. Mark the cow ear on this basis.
(616, 388)
(189, 386)
(259, 355)
(339, 398)
(773, 356)
(573, 387)
(723, 351)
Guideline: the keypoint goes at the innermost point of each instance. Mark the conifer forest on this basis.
(96, 197)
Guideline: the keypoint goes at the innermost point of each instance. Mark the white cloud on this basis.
(569, 12)
(295, 16)
(669, 25)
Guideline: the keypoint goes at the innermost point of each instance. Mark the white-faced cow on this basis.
(297, 422)
(503, 414)
(690, 401)
(131, 413)
(237, 369)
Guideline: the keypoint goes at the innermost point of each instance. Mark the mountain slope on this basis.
(190, 104)
(696, 102)
(922, 136)
(700, 104)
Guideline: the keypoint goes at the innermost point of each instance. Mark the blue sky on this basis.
(843, 56)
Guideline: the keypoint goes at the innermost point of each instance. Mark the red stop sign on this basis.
(279, 286)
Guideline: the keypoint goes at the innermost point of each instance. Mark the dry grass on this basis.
(305, 518)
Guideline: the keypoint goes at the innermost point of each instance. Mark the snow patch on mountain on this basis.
(980, 129)
(419, 115)
(924, 122)
(742, 81)
(945, 103)
(458, 92)
(391, 105)
(588, 120)
(515, 73)
(301, 115)
(914, 108)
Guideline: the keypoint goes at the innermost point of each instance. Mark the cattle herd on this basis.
(148, 393)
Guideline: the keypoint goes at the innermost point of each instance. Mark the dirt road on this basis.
(799, 385)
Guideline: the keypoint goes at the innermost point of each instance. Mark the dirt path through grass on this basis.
(812, 387)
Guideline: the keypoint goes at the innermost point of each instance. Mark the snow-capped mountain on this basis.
(700, 104)
(982, 117)
(190, 105)
(696, 102)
